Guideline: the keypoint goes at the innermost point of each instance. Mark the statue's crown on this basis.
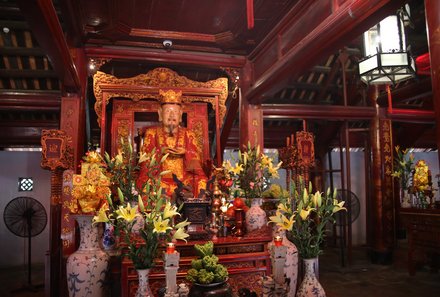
(170, 97)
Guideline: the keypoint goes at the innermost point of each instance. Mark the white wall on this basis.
(14, 165)
(357, 179)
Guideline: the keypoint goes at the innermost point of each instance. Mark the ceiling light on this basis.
(387, 60)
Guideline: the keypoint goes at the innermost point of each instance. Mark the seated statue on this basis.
(184, 155)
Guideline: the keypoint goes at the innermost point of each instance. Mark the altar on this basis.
(246, 258)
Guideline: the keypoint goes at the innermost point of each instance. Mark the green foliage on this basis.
(206, 269)
(193, 275)
(220, 273)
(205, 276)
(197, 264)
(275, 191)
(305, 216)
(403, 167)
(206, 249)
(252, 171)
(210, 262)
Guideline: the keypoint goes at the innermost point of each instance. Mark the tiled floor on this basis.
(361, 279)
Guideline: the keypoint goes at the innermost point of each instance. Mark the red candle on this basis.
(171, 248)
(278, 241)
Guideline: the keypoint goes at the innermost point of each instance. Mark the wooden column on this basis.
(251, 116)
(382, 212)
(55, 157)
(432, 10)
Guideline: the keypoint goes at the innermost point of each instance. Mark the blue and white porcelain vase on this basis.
(310, 286)
(87, 266)
(255, 216)
(143, 289)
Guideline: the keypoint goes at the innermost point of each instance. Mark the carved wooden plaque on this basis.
(54, 149)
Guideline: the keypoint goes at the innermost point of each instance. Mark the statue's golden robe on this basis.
(156, 137)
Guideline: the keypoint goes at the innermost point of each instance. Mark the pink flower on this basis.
(251, 185)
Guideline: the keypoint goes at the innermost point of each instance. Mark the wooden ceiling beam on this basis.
(406, 92)
(162, 56)
(292, 48)
(43, 20)
(21, 51)
(30, 101)
(327, 112)
(27, 73)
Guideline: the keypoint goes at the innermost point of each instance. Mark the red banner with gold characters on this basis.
(387, 181)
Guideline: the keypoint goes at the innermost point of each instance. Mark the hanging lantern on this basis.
(387, 60)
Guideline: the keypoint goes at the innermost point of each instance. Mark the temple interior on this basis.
(246, 119)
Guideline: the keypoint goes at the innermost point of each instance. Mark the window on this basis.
(25, 184)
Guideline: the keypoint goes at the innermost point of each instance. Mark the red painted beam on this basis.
(411, 115)
(327, 112)
(348, 21)
(161, 56)
(43, 20)
(30, 101)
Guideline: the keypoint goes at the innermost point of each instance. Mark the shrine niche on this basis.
(143, 90)
(298, 158)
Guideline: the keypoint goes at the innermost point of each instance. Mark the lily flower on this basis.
(170, 211)
(101, 217)
(182, 224)
(317, 199)
(142, 157)
(288, 223)
(283, 207)
(161, 226)
(180, 234)
(127, 213)
(304, 213)
(338, 206)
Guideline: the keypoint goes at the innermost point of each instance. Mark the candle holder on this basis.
(239, 218)
(171, 248)
(278, 240)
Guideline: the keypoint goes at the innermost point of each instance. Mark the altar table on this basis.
(246, 258)
(423, 227)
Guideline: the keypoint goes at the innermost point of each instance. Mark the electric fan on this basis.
(354, 208)
(25, 217)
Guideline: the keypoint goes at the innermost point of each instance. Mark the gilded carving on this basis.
(54, 150)
(123, 132)
(198, 131)
(146, 86)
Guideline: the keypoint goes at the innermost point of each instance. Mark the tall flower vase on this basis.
(144, 285)
(255, 217)
(87, 267)
(310, 286)
(405, 199)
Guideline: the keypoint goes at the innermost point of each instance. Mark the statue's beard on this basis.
(171, 128)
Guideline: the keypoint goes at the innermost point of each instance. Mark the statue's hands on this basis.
(176, 151)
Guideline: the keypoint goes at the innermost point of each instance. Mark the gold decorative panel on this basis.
(146, 86)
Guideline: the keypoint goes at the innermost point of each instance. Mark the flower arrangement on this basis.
(305, 217)
(252, 172)
(91, 187)
(403, 167)
(124, 168)
(153, 216)
(421, 176)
